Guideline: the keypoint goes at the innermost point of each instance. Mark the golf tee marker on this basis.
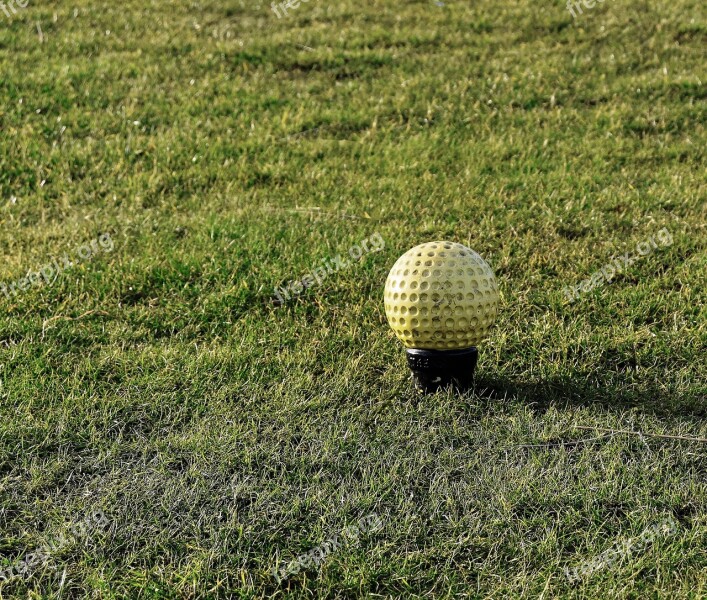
(441, 299)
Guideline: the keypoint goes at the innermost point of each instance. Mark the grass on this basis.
(225, 152)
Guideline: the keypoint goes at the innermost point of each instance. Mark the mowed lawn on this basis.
(189, 157)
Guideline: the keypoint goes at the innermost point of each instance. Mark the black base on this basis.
(435, 369)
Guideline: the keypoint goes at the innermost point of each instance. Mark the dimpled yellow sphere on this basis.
(441, 296)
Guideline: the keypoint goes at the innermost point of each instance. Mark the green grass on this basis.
(226, 152)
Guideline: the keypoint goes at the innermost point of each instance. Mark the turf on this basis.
(224, 433)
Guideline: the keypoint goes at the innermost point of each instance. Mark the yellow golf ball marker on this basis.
(441, 296)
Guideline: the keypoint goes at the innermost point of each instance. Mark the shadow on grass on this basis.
(541, 395)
